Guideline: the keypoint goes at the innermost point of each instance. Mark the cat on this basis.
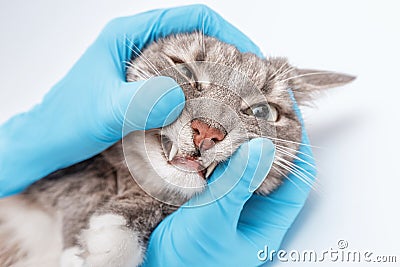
(101, 212)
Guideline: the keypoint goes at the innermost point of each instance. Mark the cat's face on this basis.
(231, 97)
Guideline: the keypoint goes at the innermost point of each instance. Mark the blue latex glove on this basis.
(235, 229)
(83, 114)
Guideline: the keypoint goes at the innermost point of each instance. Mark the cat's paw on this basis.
(109, 242)
(71, 258)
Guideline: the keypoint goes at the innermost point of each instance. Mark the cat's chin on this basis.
(155, 174)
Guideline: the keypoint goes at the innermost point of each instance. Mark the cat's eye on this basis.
(263, 111)
(185, 71)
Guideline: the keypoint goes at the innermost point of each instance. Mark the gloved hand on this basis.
(236, 229)
(83, 114)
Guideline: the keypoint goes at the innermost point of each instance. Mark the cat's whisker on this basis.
(203, 44)
(295, 166)
(285, 72)
(148, 63)
(141, 72)
(145, 62)
(294, 150)
(290, 180)
(295, 170)
(314, 183)
(316, 190)
(295, 157)
(140, 55)
(309, 185)
(304, 178)
(141, 77)
(279, 70)
(293, 142)
(310, 176)
(302, 75)
(290, 170)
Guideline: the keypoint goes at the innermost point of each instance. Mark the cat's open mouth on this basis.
(186, 163)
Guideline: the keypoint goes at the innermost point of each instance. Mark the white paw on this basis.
(110, 243)
(70, 258)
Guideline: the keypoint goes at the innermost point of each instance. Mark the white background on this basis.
(357, 125)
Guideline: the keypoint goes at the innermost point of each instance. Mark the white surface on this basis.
(357, 125)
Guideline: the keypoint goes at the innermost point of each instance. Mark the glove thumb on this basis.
(234, 182)
(148, 104)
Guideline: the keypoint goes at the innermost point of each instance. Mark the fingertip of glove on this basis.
(256, 149)
(169, 88)
(153, 103)
(250, 163)
(169, 103)
(264, 143)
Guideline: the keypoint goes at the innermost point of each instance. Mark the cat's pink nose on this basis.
(204, 136)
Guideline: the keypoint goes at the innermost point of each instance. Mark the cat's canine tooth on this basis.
(173, 152)
(210, 169)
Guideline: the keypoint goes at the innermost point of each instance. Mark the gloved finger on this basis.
(271, 216)
(265, 220)
(130, 34)
(234, 182)
(147, 104)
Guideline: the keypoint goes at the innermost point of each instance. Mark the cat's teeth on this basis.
(173, 152)
(210, 169)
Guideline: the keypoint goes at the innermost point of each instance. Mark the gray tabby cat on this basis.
(95, 214)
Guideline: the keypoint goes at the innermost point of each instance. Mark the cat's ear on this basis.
(307, 83)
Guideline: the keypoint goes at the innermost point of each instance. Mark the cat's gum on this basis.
(188, 164)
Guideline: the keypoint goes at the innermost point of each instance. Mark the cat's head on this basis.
(231, 97)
